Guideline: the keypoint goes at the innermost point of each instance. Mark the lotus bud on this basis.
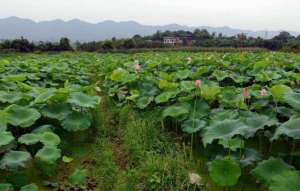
(293, 83)
(195, 179)
(198, 83)
(246, 93)
(263, 92)
(189, 60)
(137, 67)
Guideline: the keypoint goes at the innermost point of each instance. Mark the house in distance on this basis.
(173, 41)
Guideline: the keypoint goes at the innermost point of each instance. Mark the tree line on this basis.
(199, 38)
(24, 45)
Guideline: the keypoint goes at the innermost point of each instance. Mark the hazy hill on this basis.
(77, 30)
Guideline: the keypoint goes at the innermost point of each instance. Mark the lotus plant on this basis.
(198, 83)
(264, 92)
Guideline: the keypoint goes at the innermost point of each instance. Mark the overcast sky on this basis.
(244, 14)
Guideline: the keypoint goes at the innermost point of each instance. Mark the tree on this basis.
(283, 36)
(64, 44)
(108, 45)
(201, 34)
(129, 44)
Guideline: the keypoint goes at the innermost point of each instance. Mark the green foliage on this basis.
(76, 122)
(22, 116)
(210, 92)
(6, 138)
(279, 91)
(30, 187)
(224, 172)
(267, 169)
(13, 160)
(290, 128)
(48, 154)
(83, 100)
(78, 177)
(56, 111)
(223, 130)
(175, 111)
(286, 181)
(123, 76)
(6, 187)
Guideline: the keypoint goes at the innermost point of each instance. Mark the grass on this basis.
(133, 152)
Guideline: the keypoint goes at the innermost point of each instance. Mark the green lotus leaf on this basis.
(187, 86)
(223, 130)
(225, 172)
(48, 154)
(15, 78)
(165, 96)
(76, 122)
(6, 138)
(279, 91)
(221, 75)
(78, 177)
(123, 76)
(261, 65)
(134, 95)
(148, 89)
(183, 74)
(66, 159)
(164, 84)
(262, 77)
(249, 157)
(293, 99)
(285, 111)
(15, 159)
(10, 97)
(83, 100)
(221, 115)
(3, 120)
(30, 187)
(267, 169)
(56, 111)
(22, 116)
(232, 144)
(29, 139)
(45, 96)
(210, 92)
(290, 128)
(175, 111)
(231, 98)
(257, 122)
(49, 139)
(144, 101)
(199, 109)
(43, 129)
(6, 187)
(285, 181)
(191, 126)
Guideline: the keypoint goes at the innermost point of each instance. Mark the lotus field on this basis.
(236, 116)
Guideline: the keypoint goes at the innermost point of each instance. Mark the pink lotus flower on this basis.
(263, 92)
(198, 83)
(246, 93)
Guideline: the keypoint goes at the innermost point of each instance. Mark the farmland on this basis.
(150, 121)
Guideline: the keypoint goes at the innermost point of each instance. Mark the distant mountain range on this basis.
(77, 30)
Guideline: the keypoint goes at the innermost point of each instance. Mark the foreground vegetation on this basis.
(151, 121)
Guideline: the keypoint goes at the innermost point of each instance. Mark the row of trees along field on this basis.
(24, 45)
(200, 38)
